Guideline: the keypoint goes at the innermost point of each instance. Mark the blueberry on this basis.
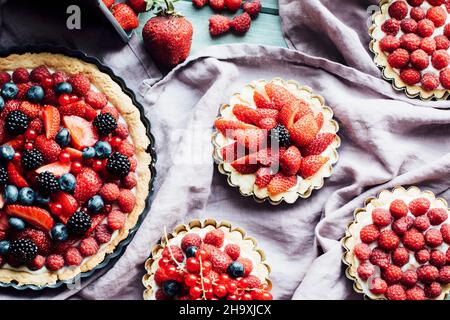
(35, 94)
(11, 193)
(26, 196)
(235, 269)
(63, 137)
(16, 223)
(63, 87)
(190, 251)
(9, 90)
(170, 288)
(2, 103)
(95, 204)
(41, 200)
(4, 247)
(59, 232)
(102, 149)
(88, 153)
(7, 152)
(67, 182)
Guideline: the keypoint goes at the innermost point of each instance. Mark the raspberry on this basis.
(176, 252)
(433, 290)
(422, 223)
(395, 292)
(437, 15)
(437, 258)
(103, 233)
(377, 286)
(121, 131)
(241, 23)
(440, 59)
(415, 3)
(419, 59)
(437, 216)
(447, 30)
(410, 41)
(369, 233)
(422, 256)
(253, 282)
(37, 263)
(392, 274)
(23, 89)
(4, 77)
(160, 295)
(39, 73)
(218, 24)
(399, 58)
(126, 149)
(427, 273)
(133, 164)
(402, 225)
(20, 75)
(447, 254)
(419, 206)
(388, 240)
(80, 84)
(445, 231)
(433, 238)
(417, 14)
(113, 111)
(389, 43)
(109, 192)
(430, 81)
(54, 262)
(95, 99)
(381, 217)
(129, 182)
(199, 3)
(365, 270)
(425, 28)
(73, 257)
(36, 125)
(413, 240)
(428, 45)
(252, 7)
(248, 265)
(398, 10)
(391, 26)
(379, 258)
(215, 237)
(189, 240)
(408, 25)
(233, 250)
(59, 76)
(400, 256)
(436, 2)
(409, 278)
(88, 246)
(410, 76)
(444, 78)
(217, 5)
(415, 293)
(398, 208)
(362, 251)
(444, 275)
(116, 219)
(442, 42)
(220, 261)
(126, 200)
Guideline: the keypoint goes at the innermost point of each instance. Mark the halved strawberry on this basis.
(81, 131)
(247, 164)
(319, 144)
(267, 113)
(290, 161)
(32, 110)
(14, 177)
(2, 201)
(96, 220)
(319, 120)
(89, 113)
(4, 223)
(229, 152)
(244, 113)
(77, 108)
(87, 185)
(74, 154)
(263, 177)
(57, 168)
(280, 96)
(287, 114)
(311, 164)
(304, 130)
(35, 216)
(281, 183)
(261, 101)
(51, 119)
(265, 157)
(227, 127)
(49, 148)
(252, 139)
(69, 205)
(17, 143)
(267, 123)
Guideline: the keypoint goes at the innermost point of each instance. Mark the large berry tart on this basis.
(207, 261)
(411, 45)
(276, 140)
(74, 167)
(398, 246)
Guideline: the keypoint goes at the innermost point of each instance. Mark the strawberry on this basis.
(229, 152)
(81, 131)
(279, 95)
(218, 24)
(14, 177)
(57, 168)
(75, 154)
(48, 147)
(77, 108)
(35, 216)
(290, 161)
(241, 23)
(51, 119)
(215, 237)
(40, 239)
(311, 164)
(126, 200)
(263, 177)
(252, 139)
(96, 99)
(139, 5)
(247, 164)
(281, 183)
(252, 7)
(37, 125)
(287, 114)
(108, 3)
(80, 84)
(233, 5)
(220, 261)
(88, 183)
(228, 127)
(69, 205)
(261, 101)
(267, 123)
(319, 120)
(319, 144)
(244, 113)
(10, 105)
(191, 240)
(168, 37)
(31, 110)
(304, 131)
(125, 16)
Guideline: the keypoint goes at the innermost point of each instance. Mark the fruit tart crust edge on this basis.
(156, 250)
(131, 115)
(388, 73)
(349, 241)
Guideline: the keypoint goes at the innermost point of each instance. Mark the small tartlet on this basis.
(246, 182)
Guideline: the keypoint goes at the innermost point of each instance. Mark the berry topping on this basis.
(118, 164)
(23, 250)
(16, 122)
(105, 123)
(31, 159)
(79, 223)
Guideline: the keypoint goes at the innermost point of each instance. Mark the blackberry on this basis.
(79, 223)
(23, 250)
(280, 134)
(3, 176)
(105, 123)
(118, 164)
(32, 159)
(47, 183)
(16, 122)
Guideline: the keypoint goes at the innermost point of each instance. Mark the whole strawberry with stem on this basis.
(168, 35)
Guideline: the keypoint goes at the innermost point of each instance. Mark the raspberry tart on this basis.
(207, 261)
(397, 247)
(276, 140)
(74, 168)
(410, 40)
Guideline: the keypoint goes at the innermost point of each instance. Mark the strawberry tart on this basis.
(397, 248)
(411, 43)
(276, 140)
(74, 167)
(207, 261)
